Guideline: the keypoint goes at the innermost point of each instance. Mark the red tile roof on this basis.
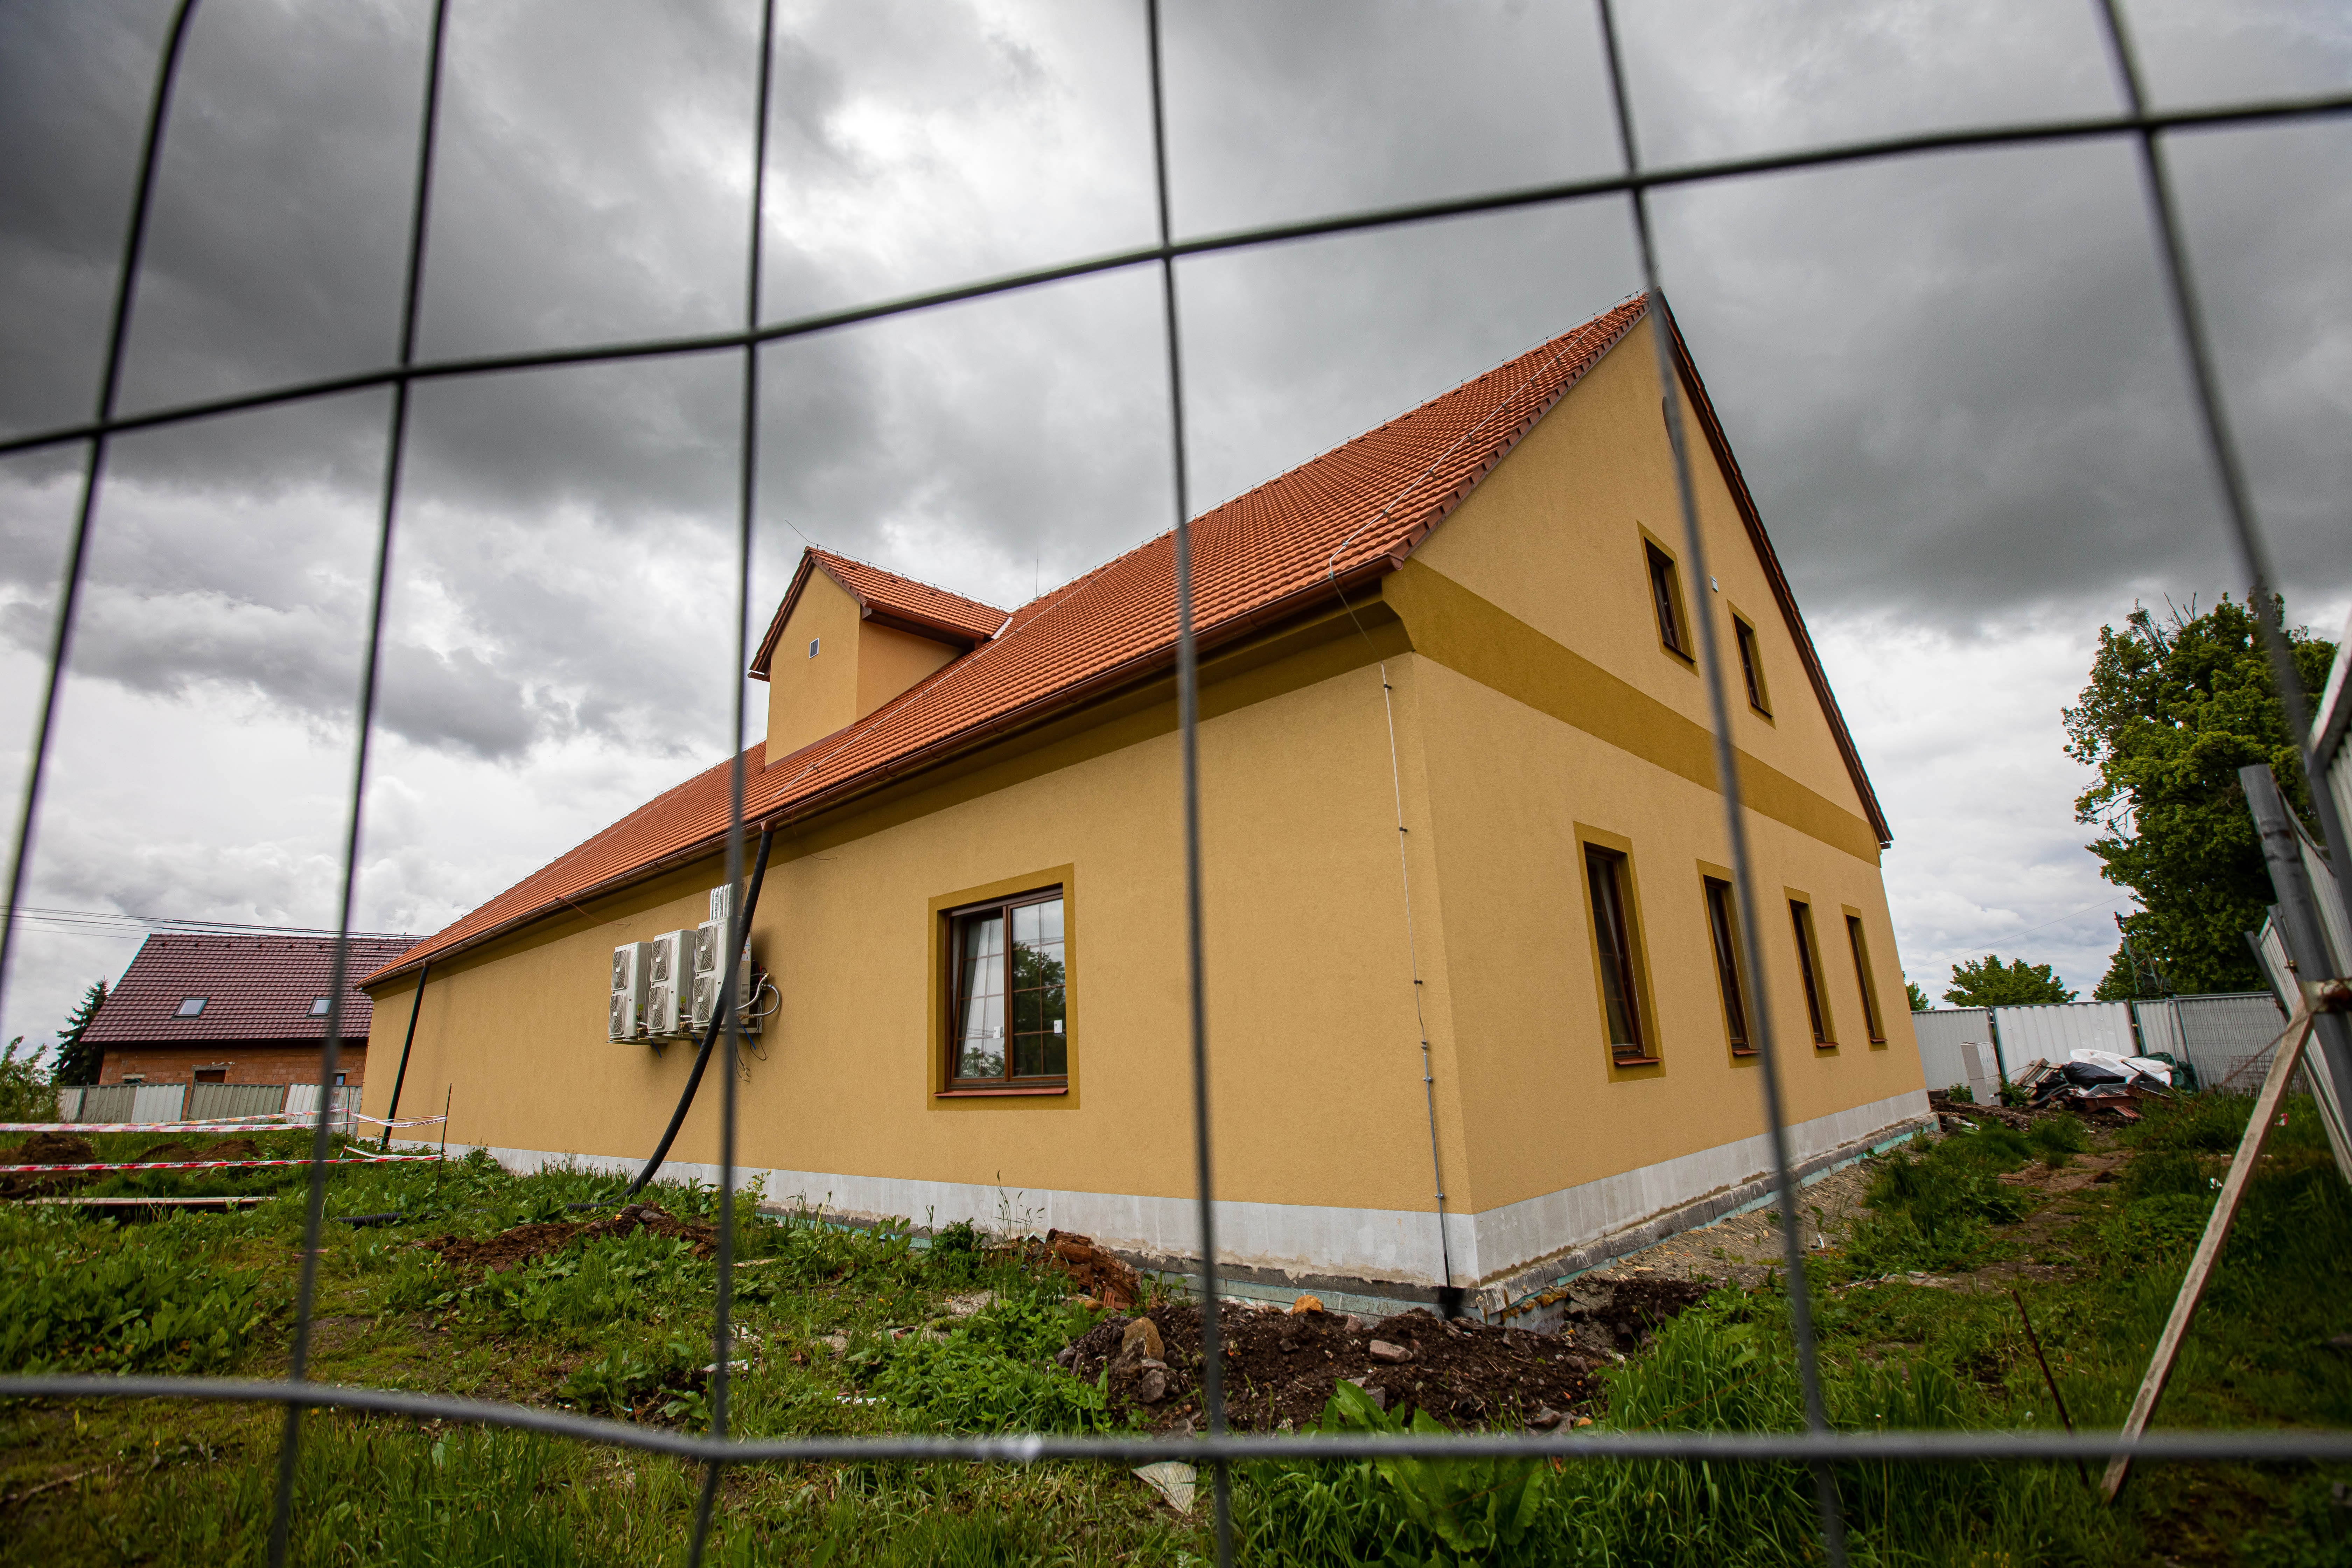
(886, 598)
(1348, 516)
(255, 988)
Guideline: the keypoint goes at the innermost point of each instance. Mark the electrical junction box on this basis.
(632, 960)
(670, 985)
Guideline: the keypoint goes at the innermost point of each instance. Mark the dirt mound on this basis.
(203, 1149)
(1281, 1367)
(51, 1148)
(518, 1245)
(46, 1149)
(1617, 1313)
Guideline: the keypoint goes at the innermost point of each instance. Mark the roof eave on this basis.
(1704, 407)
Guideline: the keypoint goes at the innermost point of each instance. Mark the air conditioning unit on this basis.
(631, 961)
(670, 985)
(710, 942)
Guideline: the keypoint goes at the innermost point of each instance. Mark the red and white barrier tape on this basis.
(275, 1121)
(205, 1165)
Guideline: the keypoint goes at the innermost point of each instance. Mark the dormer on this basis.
(849, 637)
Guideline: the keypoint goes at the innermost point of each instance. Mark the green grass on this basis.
(620, 1327)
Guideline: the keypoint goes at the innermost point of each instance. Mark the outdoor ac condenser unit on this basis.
(708, 971)
(670, 985)
(631, 960)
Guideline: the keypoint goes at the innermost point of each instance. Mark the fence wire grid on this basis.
(1818, 1447)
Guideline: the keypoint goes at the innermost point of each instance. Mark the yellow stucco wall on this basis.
(858, 667)
(890, 660)
(810, 697)
(1553, 542)
(1305, 959)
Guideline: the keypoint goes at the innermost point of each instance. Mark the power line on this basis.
(112, 922)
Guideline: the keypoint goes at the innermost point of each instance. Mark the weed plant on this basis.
(1931, 1211)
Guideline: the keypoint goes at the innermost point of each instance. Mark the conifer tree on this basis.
(77, 1062)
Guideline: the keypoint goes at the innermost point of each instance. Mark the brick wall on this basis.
(271, 1062)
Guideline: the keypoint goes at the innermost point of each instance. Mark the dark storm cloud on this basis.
(1950, 380)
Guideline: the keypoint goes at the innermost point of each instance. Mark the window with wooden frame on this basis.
(1666, 596)
(1723, 929)
(1751, 666)
(1008, 1009)
(1612, 937)
(1809, 970)
(1861, 944)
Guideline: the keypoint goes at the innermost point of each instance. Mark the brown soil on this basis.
(511, 1248)
(52, 1149)
(46, 1149)
(207, 1149)
(1281, 1367)
(1615, 1312)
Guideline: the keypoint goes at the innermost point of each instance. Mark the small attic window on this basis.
(318, 1007)
(190, 1006)
(813, 642)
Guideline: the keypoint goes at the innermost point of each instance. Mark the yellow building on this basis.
(1471, 624)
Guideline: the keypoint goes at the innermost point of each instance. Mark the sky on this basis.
(1951, 381)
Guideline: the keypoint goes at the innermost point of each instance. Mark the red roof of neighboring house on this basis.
(255, 987)
(1352, 514)
(885, 596)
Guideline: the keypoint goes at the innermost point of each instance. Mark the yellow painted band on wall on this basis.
(1472, 636)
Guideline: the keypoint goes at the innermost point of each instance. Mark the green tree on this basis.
(25, 1094)
(1987, 982)
(77, 1062)
(1919, 1002)
(2172, 712)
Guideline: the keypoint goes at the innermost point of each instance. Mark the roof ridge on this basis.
(824, 554)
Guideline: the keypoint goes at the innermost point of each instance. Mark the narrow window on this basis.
(191, 1006)
(1613, 933)
(212, 1075)
(1801, 916)
(1727, 962)
(1669, 601)
(1008, 1019)
(813, 642)
(1750, 663)
(1862, 972)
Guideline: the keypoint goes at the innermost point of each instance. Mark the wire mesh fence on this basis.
(1819, 1445)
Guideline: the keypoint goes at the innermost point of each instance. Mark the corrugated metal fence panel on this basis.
(2053, 1032)
(2159, 1029)
(158, 1102)
(302, 1100)
(69, 1102)
(2227, 1034)
(215, 1101)
(2328, 894)
(1940, 1032)
(2339, 781)
(107, 1102)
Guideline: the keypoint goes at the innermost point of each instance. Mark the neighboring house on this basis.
(1478, 617)
(235, 1009)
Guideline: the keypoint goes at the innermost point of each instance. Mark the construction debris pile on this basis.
(2095, 1083)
